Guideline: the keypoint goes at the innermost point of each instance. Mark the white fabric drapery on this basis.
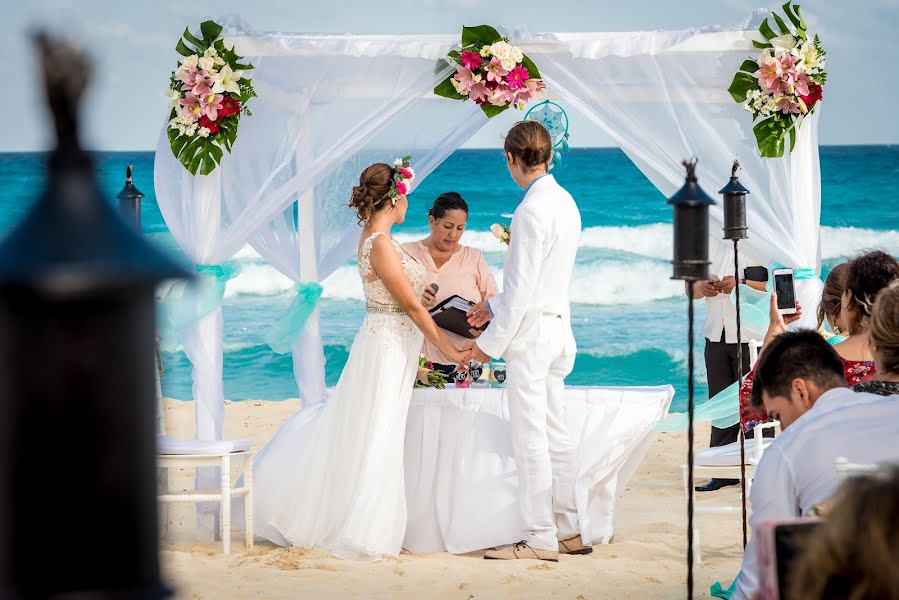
(329, 105)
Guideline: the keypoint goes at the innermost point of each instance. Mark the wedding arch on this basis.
(328, 105)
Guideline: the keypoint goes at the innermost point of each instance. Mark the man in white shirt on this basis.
(799, 380)
(720, 332)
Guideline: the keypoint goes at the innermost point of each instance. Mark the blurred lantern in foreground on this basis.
(77, 446)
(129, 200)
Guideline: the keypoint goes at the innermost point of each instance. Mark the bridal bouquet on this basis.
(784, 83)
(428, 377)
(502, 232)
(491, 72)
(208, 93)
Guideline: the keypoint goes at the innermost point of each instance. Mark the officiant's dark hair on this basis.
(446, 202)
(530, 144)
(368, 196)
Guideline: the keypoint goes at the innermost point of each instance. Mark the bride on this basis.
(332, 476)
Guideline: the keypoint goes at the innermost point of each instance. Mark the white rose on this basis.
(517, 54)
(207, 63)
(190, 62)
(508, 63)
(501, 50)
(210, 51)
(398, 162)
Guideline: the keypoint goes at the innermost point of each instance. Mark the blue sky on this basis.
(132, 43)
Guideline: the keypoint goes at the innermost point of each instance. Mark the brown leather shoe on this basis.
(574, 545)
(521, 551)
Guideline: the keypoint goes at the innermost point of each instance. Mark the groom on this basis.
(531, 329)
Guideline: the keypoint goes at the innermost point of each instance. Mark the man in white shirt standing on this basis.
(799, 380)
(720, 332)
(531, 329)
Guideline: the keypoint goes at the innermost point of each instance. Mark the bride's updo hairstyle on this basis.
(529, 144)
(368, 196)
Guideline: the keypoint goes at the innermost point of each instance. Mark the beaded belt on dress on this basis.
(386, 309)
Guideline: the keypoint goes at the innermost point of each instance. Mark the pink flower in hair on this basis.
(401, 187)
(406, 173)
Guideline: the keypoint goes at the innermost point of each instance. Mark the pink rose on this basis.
(401, 188)
(406, 173)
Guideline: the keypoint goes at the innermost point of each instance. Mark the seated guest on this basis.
(853, 553)
(830, 306)
(883, 336)
(800, 381)
(456, 269)
(866, 275)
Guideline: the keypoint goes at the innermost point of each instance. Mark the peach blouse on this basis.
(466, 274)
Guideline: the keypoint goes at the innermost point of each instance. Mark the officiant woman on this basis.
(456, 269)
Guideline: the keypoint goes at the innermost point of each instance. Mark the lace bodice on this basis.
(375, 291)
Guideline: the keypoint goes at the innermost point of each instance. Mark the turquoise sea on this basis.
(629, 318)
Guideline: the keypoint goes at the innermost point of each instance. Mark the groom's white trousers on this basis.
(544, 453)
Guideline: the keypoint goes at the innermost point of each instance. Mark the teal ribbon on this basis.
(186, 302)
(717, 591)
(286, 329)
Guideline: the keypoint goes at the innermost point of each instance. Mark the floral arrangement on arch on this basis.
(784, 83)
(208, 94)
(491, 72)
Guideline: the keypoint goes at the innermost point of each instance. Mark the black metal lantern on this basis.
(129, 200)
(734, 206)
(691, 228)
(77, 320)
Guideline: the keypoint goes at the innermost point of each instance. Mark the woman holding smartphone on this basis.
(866, 276)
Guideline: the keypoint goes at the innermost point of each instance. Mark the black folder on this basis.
(451, 314)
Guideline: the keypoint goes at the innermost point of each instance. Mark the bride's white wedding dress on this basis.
(332, 476)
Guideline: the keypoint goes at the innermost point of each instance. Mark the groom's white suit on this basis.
(531, 329)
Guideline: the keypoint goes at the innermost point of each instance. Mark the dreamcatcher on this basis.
(555, 119)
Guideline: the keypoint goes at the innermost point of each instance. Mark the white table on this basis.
(223, 495)
(461, 479)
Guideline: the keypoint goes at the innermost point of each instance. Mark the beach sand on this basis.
(645, 560)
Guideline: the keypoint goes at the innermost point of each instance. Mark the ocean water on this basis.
(629, 318)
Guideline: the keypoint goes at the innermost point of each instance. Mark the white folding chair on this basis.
(723, 462)
(846, 469)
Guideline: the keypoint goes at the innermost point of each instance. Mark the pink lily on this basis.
(211, 105)
(800, 83)
(191, 107)
(501, 95)
(478, 92)
(495, 70)
(769, 75)
(530, 89)
(465, 78)
(787, 106)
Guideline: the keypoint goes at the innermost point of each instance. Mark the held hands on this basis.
(707, 288)
(726, 285)
(473, 353)
(479, 314)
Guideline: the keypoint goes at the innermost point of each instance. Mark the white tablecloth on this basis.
(461, 480)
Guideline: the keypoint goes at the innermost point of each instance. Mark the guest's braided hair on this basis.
(868, 274)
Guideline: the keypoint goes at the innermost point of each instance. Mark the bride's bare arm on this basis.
(387, 263)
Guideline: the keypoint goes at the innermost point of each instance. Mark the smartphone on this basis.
(785, 289)
(780, 544)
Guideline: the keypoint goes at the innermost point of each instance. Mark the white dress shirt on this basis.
(546, 230)
(797, 472)
(721, 313)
